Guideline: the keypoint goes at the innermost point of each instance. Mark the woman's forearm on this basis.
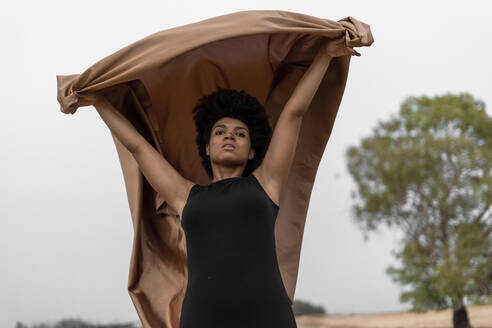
(119, 125)
(307, 86)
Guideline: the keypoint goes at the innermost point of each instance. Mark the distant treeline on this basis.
(299, 308)
(302, 307)
(78, 323)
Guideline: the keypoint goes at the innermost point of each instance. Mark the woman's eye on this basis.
(239, 133)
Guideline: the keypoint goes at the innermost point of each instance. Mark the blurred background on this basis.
(398, 232)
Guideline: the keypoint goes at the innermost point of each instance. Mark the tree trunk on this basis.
(460, 315)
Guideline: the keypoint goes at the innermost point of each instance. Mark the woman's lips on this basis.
(228, 147)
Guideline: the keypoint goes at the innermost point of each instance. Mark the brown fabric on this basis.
(155, 82)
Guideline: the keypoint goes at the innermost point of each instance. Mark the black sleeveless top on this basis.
(233, 276)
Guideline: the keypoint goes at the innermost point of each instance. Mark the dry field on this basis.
(480, 317)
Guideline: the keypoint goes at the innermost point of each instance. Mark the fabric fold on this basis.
(155, 83)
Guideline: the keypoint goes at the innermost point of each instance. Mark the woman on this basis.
(233, 275)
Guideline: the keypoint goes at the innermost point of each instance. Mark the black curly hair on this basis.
(236, 104)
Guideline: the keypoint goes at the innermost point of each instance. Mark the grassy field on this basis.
(480, 317)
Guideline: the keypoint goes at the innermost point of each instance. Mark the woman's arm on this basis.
(307, 86)
(274, 169)
(159, 173)
(119, 125)
(305, 90)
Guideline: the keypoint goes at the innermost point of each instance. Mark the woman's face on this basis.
(228, 130)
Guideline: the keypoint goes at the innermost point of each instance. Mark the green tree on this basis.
(428, 173)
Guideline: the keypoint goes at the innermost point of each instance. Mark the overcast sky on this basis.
(66, 232)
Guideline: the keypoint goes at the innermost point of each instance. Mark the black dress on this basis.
(233, 276)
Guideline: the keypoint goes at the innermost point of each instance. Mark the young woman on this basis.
(233, 274)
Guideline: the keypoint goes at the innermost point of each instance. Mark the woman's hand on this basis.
(337, 47)
(91, 98)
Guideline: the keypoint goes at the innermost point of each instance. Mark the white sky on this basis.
(66, 233)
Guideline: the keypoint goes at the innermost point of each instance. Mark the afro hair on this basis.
(235, 104)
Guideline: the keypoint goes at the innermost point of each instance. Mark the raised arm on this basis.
(305, 90)
(273, 171)
(161, 175)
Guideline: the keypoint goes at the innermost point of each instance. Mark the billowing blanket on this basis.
(156, 81)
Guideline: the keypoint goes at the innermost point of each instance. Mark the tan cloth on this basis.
(155, 83)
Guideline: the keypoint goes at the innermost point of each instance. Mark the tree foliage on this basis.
(428, 172)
